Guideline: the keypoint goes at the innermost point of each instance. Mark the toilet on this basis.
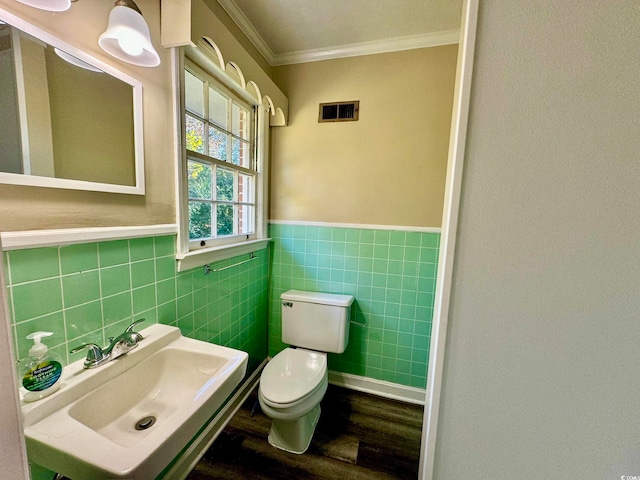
(294, 382)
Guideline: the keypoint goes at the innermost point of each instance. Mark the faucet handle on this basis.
(134, 334)
(95, 355)
(137, 322)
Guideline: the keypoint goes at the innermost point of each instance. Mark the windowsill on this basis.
(205, 256)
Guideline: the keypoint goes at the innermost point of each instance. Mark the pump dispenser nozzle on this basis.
(39, 349)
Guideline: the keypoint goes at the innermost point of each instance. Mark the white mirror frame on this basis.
(49, 182)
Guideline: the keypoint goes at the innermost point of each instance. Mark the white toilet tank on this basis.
(317, 321)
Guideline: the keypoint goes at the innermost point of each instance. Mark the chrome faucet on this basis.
(118, 346)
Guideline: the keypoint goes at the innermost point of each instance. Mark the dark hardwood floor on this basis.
(359, 436)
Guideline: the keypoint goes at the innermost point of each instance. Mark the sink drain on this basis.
(145, 422)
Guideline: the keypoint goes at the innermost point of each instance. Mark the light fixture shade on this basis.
(50, 5)
(127, 37)
(75, 60)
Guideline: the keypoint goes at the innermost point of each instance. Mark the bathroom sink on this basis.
(132, 416)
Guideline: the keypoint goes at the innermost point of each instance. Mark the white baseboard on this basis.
(198, 448)
(381, 388)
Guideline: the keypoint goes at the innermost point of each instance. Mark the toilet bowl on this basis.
(291, 387)
(294, 382)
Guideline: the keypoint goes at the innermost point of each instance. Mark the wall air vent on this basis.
(339, 111)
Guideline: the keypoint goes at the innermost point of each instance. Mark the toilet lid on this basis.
(292, 374)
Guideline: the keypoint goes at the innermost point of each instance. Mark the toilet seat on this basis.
(292, 376)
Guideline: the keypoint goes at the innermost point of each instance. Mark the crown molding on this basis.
(387, 45)
(246, 26)
(436, 39)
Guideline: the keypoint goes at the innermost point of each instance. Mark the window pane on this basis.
(225, 220)
(245, 188)
(217, 144)
(221, 177)
(199, 180)
(240, 153)
(193, 93)
(246, 219)
(195, 134)
(224, 185)
(239, 122)
(218, 108)
(199, 220)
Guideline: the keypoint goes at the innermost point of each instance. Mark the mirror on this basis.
(68, 120)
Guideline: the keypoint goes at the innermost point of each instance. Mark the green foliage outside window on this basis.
(199, 220)
(194, 135)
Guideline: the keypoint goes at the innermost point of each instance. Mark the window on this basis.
(221, 164)
(222, 205)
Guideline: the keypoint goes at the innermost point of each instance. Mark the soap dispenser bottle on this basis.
(40, 373)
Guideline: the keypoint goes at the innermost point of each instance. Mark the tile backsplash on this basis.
(89, 292)
(391, 274)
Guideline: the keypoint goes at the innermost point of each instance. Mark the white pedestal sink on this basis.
(132, 416)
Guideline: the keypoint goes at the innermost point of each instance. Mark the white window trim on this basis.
(195, 258)
(204, 256)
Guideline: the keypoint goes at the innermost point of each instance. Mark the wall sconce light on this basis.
(127, 37)
(50, 5)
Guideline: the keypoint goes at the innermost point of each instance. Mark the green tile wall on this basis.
(89, 292)
(391, 274)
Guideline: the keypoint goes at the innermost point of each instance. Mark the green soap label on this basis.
(42, 376)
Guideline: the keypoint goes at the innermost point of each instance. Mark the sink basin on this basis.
(155, 388)
(131, 417)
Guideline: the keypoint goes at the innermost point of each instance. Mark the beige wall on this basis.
(389, 167)
(104, 106)
(29, 208)
(542, 364)
(37, 105)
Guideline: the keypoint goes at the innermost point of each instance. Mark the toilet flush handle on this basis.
(287, 304)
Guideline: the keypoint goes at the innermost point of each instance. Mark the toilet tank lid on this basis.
(317, 297)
